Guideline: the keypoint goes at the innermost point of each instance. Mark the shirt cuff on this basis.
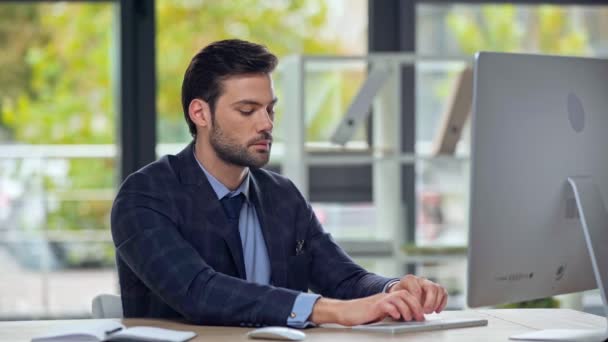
(301, 310)
(389, 284)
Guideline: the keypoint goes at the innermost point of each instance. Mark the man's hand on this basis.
(432, 296)
(397, 304)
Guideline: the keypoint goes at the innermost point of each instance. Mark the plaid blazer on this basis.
(177, 257)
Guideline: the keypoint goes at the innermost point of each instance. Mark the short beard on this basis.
(231, 152)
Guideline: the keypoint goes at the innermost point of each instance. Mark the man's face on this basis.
(241, 132)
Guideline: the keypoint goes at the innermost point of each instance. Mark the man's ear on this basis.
(200, 113)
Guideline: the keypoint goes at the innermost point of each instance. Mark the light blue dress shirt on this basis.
(255, 254)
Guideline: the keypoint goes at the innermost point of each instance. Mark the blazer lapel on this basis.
(211, 209)
(273, 232)
(216, 217)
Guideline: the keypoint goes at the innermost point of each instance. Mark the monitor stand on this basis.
(594, 221)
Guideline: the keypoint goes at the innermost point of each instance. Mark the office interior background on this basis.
(90, 92)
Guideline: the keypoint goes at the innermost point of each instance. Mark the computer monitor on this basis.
(539, 130)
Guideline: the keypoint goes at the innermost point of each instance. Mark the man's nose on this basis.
(265, 123)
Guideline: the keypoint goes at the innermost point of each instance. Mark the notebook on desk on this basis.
(391, 326)
(112, 331)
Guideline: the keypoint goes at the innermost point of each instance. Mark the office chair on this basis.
(106, 306)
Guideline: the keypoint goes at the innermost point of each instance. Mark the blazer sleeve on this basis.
(145, 232)
(333, 273)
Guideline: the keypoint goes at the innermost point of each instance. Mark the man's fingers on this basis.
(441, 294)
(413, 304)
(430, 296)
(403, 307)
(390, 309)
(444, 302)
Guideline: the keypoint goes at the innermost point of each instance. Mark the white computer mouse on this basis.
(277, 333)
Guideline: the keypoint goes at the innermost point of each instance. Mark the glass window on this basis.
(311, 27)
(462, 29)
(57, 157)
(459, 30)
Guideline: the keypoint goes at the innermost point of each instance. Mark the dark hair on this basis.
(217, 62)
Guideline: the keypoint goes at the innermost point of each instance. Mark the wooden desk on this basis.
(501, 324)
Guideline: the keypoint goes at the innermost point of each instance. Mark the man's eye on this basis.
(246, 112)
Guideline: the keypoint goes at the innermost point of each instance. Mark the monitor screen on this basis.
(537, 120)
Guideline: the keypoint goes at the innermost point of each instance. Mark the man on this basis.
(209, 236)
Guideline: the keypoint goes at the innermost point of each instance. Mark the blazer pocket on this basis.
(298, 270)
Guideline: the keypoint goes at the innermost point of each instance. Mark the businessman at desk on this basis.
(208, 236)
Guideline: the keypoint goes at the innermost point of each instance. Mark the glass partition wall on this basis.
(58, 175)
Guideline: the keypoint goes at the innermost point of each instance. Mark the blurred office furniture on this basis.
(106, 306)
(456, 113)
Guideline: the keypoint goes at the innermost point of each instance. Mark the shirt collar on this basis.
(221, 190)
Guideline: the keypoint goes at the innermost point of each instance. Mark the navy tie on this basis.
(232, 206)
